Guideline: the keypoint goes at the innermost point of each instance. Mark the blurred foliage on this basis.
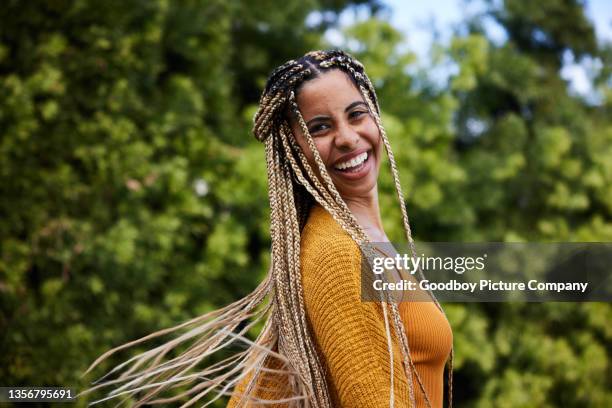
(132, 196)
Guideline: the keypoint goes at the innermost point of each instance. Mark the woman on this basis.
(320, 345)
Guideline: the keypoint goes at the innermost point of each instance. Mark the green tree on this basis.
(536, 159)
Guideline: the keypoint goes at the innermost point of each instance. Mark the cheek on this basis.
(323, 152)
(373, 134)
(301, 141)
(322, 147)
(372, 131)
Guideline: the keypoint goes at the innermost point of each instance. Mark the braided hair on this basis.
(293, 188)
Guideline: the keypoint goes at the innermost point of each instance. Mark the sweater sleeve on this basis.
(350, 333)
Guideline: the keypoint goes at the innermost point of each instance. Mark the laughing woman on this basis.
(320, 345)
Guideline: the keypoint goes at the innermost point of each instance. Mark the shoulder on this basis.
(325, 245)
(330, 261)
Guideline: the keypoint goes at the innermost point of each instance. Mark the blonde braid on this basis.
(326, 200)
(295, 339)
(406, 222)
(297, 291)
(289, 345)
(318, 191)
(398, 189)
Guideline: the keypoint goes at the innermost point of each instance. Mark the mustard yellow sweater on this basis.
(351, 334)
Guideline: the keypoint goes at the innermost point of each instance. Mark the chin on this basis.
(362, 189)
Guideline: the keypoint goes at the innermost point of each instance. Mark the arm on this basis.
(350, 333)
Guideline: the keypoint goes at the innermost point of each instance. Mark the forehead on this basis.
(331, 90)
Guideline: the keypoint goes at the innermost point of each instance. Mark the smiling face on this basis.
(344, 132)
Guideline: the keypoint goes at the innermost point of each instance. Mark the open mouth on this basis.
(355, 164)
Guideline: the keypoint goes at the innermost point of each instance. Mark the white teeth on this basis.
(355, 161)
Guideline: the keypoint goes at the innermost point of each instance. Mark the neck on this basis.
(367, 212)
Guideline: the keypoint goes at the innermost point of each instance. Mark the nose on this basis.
(346, 138)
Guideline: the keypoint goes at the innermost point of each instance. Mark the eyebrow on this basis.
(348, 108)
(356, 103)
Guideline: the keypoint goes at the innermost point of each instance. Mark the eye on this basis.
(357, 114)
(318, 128)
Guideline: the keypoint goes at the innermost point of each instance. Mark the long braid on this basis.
(295, 338)
(298, 293)
(406, 225)
(407, 229)
(294, 343)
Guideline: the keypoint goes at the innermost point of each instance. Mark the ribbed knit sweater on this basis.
(350, 334)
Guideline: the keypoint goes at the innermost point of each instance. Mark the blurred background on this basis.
(133, 196)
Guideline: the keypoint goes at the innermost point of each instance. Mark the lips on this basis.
(354, 162)
(357, 166)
